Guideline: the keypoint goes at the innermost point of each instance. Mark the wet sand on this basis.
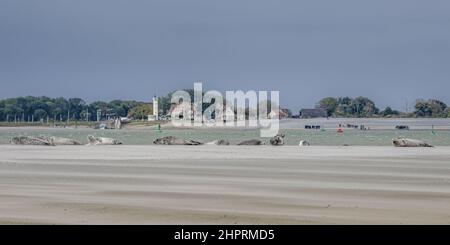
(224, 185)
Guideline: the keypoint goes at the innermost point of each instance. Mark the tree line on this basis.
(364, 107)
(31, 108)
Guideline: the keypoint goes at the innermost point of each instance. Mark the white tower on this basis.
(155, 108)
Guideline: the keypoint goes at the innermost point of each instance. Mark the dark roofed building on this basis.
(312, 113)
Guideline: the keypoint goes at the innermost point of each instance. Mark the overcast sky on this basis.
(391, 51)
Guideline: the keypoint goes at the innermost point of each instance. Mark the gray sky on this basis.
(388, 50)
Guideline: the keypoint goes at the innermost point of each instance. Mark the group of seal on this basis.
(54, 141)
(170, 140)
(277, 140)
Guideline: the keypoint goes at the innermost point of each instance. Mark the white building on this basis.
(154, 117)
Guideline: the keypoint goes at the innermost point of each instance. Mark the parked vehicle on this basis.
(402, 127)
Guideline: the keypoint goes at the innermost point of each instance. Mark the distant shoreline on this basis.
(367, 121)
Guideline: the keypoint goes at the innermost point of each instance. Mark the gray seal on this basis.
(170, 140)
(218, 142)
(102, 141)
(43, 140)
(63, 141)
(304, 143)
(252, 142)
(405, 142)
(277, 140)
(31, 140)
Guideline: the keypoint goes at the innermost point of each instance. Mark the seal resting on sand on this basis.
(218, 142)
(170, 140)
(304, 143)
(252, 142)
(102, 141)
(404, 142)
(277, 139)
(42, 140)
(63, 141)
(31, 140)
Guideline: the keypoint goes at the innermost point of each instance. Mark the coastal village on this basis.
(118, 114)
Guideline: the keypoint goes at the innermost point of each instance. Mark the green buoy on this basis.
(158, 128)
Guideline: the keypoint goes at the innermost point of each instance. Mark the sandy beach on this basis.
(224, 185)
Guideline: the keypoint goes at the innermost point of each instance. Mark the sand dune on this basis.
(224, 185)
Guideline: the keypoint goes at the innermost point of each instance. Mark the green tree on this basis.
(348, 107)
(141, 111)
(329, 103)
(76, 106)
(12, 108)
(430, 108)
(122, 107)
(61, 108)
(388, 111)
(2, 110)
(363, 107)
(447, 112)
(165, 102)
(437, 108)
(97, 105)
(39, 114)
(344, 100)
(344, 107)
